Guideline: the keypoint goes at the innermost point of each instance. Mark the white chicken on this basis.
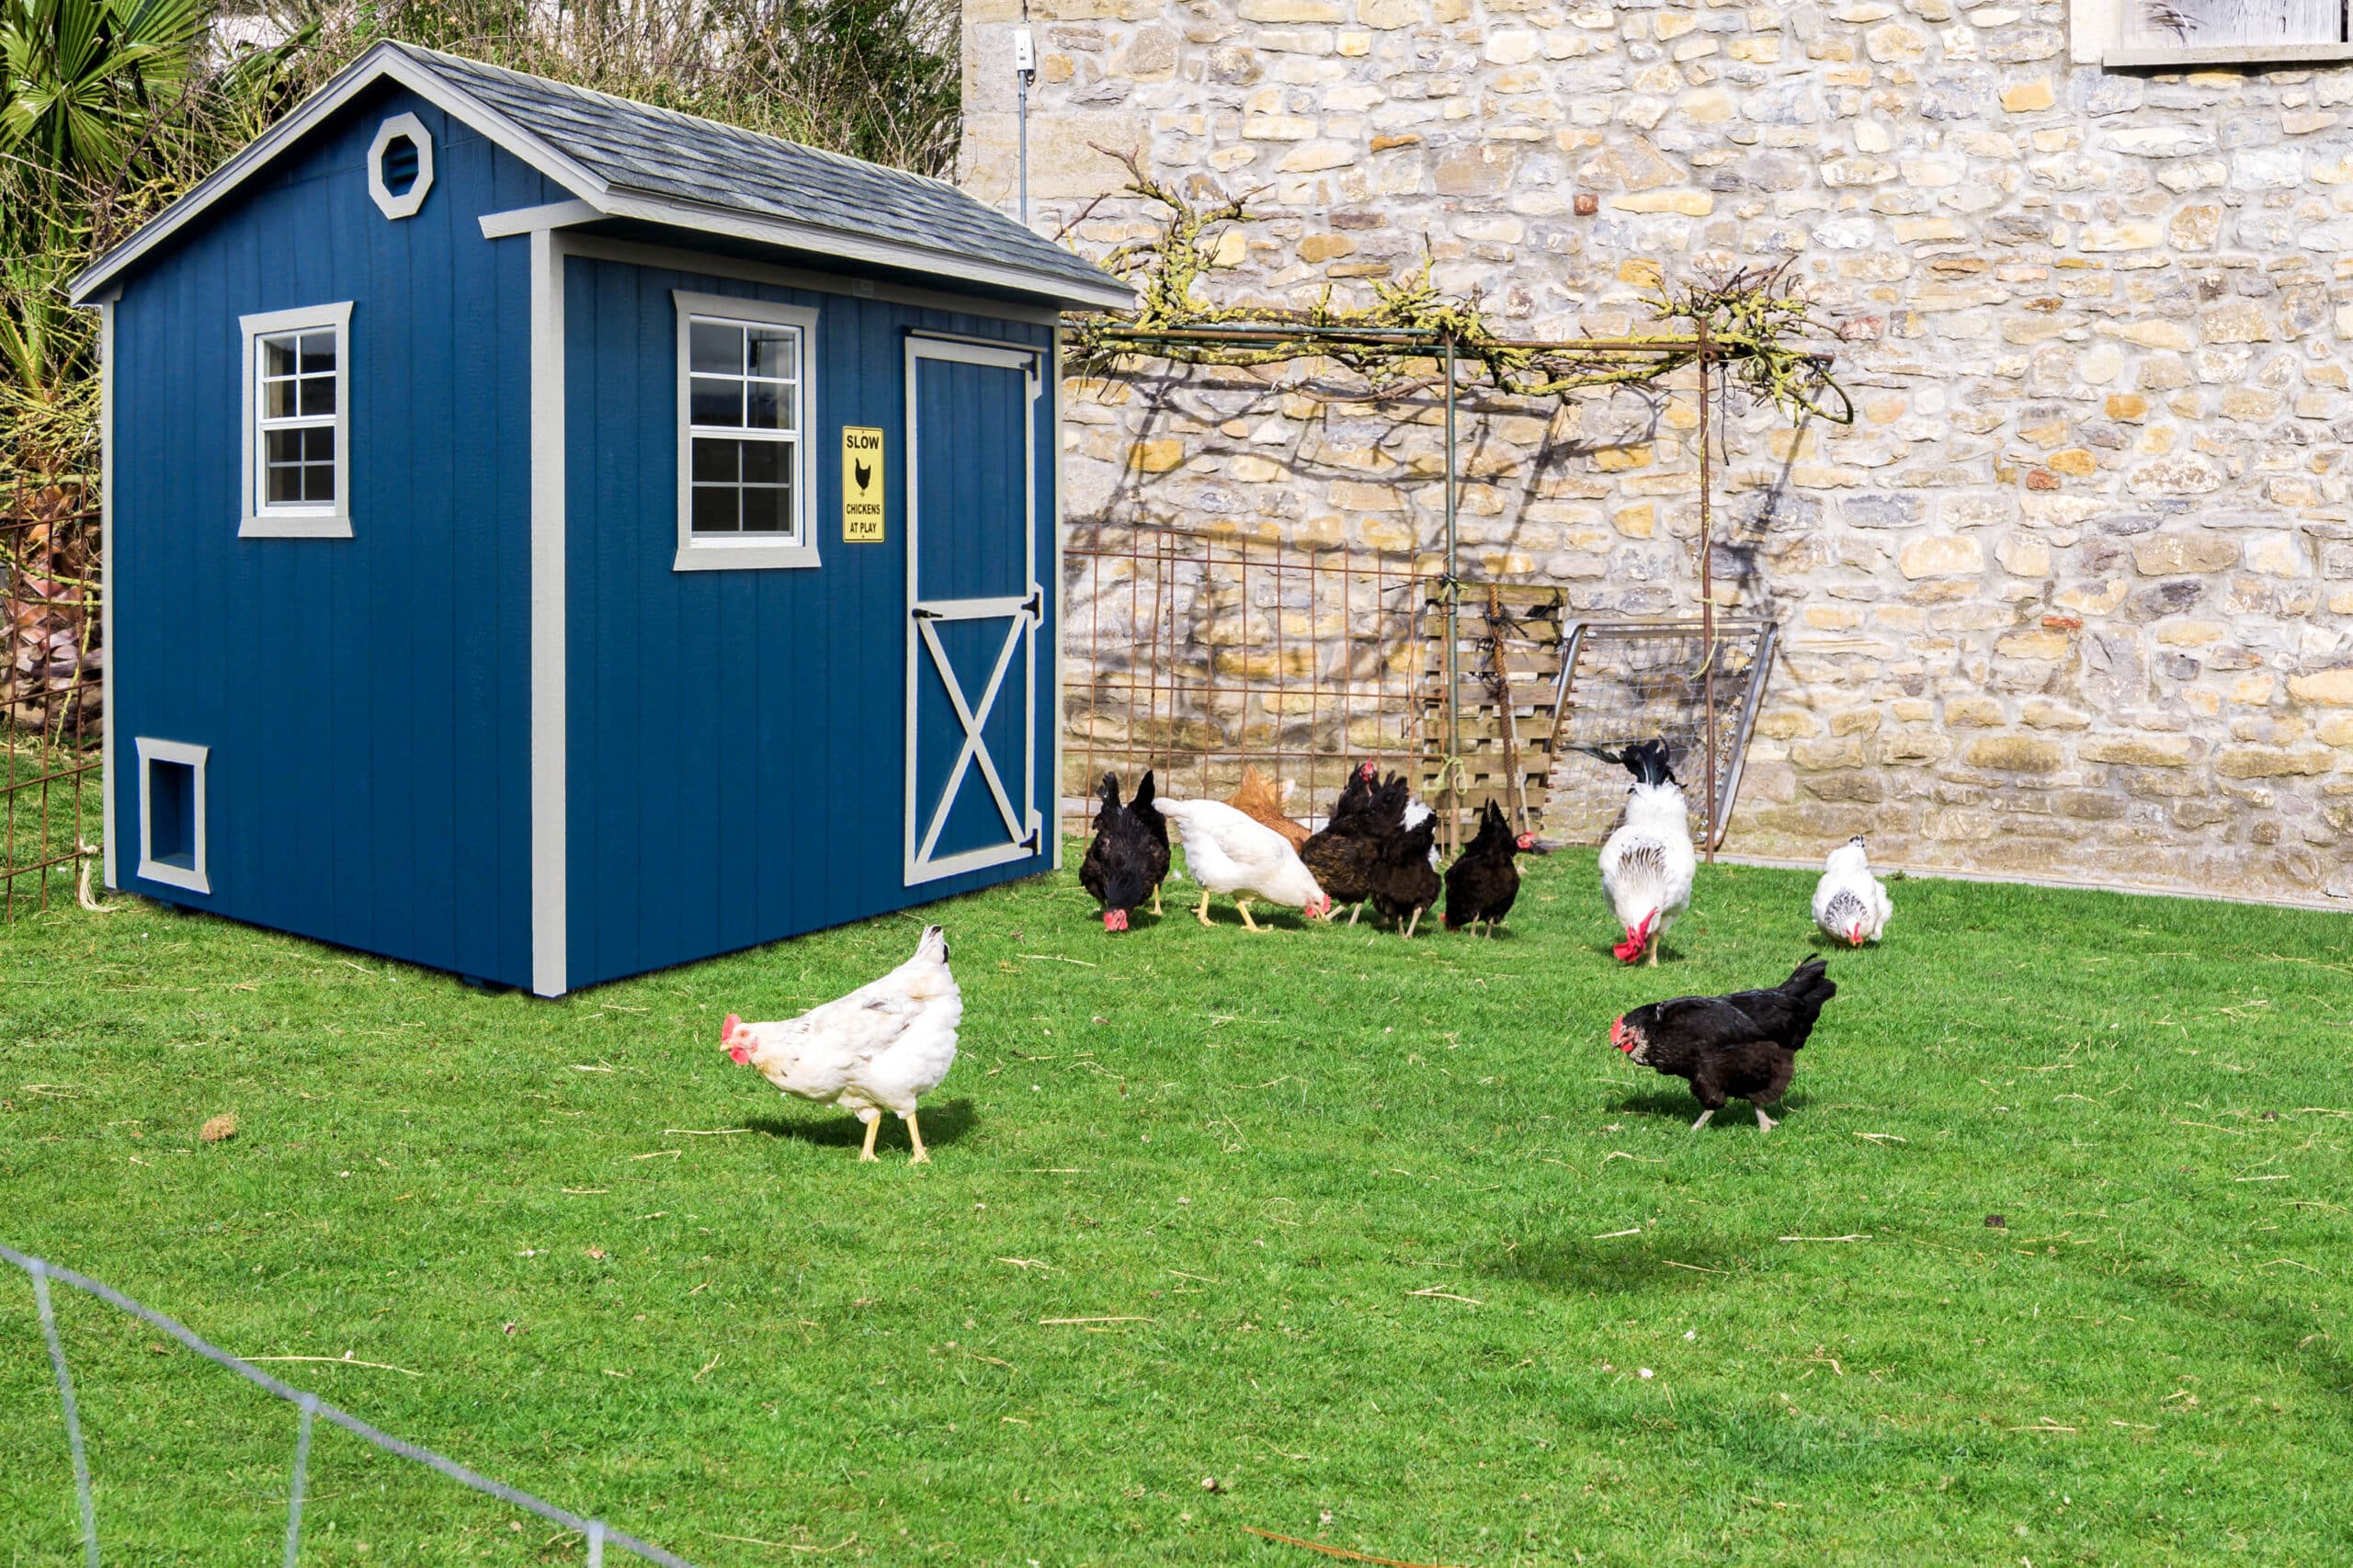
(1227, 852)
(1646, 865)
(1849, 904)
(883, 1047)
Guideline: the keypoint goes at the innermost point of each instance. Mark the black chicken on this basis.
(1130, 855)
(1743, 1044)
(1340, 856)
(1403, 880)
(1485, 879)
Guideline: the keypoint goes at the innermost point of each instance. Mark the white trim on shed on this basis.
(193, 876)
(264, 518)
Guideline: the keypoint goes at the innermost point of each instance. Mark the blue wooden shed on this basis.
(550, 538)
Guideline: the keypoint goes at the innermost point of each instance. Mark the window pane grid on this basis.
(298, 416)
(744, 418)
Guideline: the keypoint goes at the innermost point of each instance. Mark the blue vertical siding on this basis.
(737, 738)
(366, 701)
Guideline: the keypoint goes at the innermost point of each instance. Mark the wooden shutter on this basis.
(2210, 24)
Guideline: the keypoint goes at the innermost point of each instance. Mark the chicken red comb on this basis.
(1115, 920)
(1637, 939)
(727, 1031)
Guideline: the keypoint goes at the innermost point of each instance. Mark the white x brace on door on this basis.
(973, 608)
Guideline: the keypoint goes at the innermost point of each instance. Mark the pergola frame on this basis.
(1601, 361)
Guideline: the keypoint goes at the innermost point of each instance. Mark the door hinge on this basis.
(1036, 609)
(923, 614)
(1030, 842)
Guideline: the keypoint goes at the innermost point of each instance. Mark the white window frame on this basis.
(193, 877)
(305, 520)
(2097, 32)
(737, 552)
(407, 203)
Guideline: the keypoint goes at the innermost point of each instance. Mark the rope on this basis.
(42, 1272)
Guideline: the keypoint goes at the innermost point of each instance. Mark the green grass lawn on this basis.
(1382, 1237)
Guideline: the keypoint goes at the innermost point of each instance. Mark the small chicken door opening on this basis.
(973, 608)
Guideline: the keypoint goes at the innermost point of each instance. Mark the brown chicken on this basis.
(1259, 800)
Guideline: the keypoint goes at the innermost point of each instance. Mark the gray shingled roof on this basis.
(665, 155)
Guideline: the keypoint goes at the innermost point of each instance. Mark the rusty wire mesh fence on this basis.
(1632, 680)
(1196, 656)
(51, 690)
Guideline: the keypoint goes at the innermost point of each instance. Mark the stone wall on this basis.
(2074, 595)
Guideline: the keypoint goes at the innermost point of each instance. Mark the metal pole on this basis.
(1454, 638)
(39, 1272)
(1707, 597)
(1025, 71)
(310, 1407)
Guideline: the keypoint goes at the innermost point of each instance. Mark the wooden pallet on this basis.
(1507, 669)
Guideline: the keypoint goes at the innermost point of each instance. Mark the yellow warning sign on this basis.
(863, 489)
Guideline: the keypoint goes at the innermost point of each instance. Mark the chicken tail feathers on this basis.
(1808, 990)
(1649, 761)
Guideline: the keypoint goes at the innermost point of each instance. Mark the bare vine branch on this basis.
(1755, 322)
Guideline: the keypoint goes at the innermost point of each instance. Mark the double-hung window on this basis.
(296, 423)
(744, 419)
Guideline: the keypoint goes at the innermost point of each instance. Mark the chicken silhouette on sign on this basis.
(862, 487)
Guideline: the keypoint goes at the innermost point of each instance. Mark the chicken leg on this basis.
(922, 1155)
(1703, 1119)
(1410, 926)
(873, 1125)
(1244, 905)
(1355, 911)
(1652, 960)
(1155, 898)
(1202, 914)
(1763, 1123)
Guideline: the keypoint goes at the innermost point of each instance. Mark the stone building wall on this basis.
(2073, 596)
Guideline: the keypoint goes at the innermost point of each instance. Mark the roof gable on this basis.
(631, 160)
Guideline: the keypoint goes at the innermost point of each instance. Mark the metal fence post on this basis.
(596, 1543)
(309, 1405)
(39, 1272)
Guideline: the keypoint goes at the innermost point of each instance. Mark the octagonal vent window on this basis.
(400, 163)
(400, 166)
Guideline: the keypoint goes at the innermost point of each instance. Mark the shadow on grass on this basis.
(943, 1123)
(1683, 1106)
(1574, 1266)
